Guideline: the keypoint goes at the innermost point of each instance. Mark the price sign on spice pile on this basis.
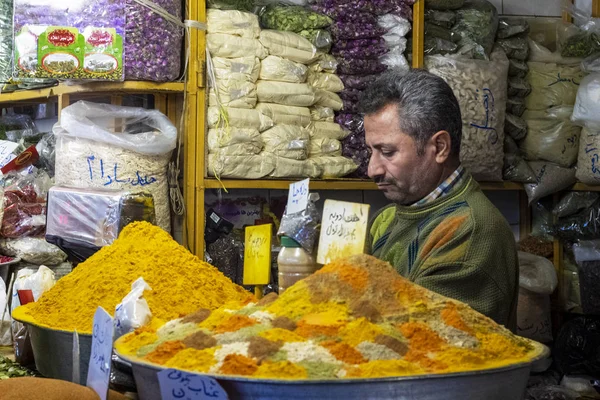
(343, 230)
(298, 196)
(257, 255)
(102, 344)
(179, 385)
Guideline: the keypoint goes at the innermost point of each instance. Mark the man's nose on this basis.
(375, 167)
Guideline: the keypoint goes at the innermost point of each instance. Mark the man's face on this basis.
(401, 174)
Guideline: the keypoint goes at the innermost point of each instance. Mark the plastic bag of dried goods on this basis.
(233, 93)
(241, 68)
(348, 51)
(34, 250)
(552, 85)
(288, 45)
(551, 178)
(275, 68)
(591, 64)
(516, 48)
(516, 68)
(587, 107)
(476, 23)
(445, 19)
(350, 30)
(480, 87)
(358, 66)
(551, 136)
(352, 122)
(325, 81)
(325, 63)
(327, 130)
(395, 59)
(319, 113)
(582, 40)
(518, 87)
(360, 82)
(292, 18)
(391, 22)
(324, 147)
(588, 158)
(320, 38)
(509, 27)
(435, 31)
(231, 46)
(238, 118)
(515, 127)
(232, 22)
(285, 93)
(248, 141)
(540, 53)
(515, 106)
(329, 99)
(240, 167)
(287, 141)
(133, 311)
(303, 226)
(515, 169)
(445, 4)
(573, 202)
(285, 115)
(334, 167)
(289, 168)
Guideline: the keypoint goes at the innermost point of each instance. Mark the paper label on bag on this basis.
(175, 385)
(343, 230)
(257, 255)
(100, 359)
(298, 197)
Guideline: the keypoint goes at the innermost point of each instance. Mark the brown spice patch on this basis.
(268, 299)
(234, 323)
(392, 343)
(310, 330)
(199, 341)
(364, 308)
(237, 364)
(325, 287)
(165, 351)
(284, 323)
(452, 317)
(197, 317)
(344, 352)
(261, 348)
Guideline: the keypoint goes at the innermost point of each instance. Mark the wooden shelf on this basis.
(352, 184)
(112, 88)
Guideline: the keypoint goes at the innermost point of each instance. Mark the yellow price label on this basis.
(257, 255)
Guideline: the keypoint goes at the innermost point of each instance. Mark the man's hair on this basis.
(426, 105)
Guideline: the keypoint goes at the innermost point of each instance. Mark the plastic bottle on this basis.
(294, 263)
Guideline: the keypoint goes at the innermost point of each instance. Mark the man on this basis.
(441, 232)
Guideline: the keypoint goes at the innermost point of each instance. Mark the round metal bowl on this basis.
(53, 352)
(507, 383)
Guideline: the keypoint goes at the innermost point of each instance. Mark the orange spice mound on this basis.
(165, 351)
(310, 330)
(451, 317)
(237, 364)
(235, 323)
(422, 338)
(344, 352)
(355, 277)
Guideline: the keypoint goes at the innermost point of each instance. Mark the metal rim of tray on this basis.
(542, 352)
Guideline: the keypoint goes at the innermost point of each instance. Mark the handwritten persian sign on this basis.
(298, 196)
(343, 230)
(175, 385)
(257, 255)
(102, 344)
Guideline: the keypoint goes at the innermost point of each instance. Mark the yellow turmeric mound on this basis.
(181, 283)
(355, 318)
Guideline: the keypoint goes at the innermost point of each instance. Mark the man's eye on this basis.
(387, 153)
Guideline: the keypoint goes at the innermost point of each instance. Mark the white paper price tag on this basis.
(298, 196)
(6, 151)
(102, 343)
(175, 385)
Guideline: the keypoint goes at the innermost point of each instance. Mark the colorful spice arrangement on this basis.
(354, 318)
(181, 283)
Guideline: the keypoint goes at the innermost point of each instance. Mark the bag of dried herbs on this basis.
(241, 5)
(445, 19)
(509, 27)
(444, 4)
(292, 18)
(476, 23)
(6, 35)
(585, 38)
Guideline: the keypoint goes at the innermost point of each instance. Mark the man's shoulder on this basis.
(381, 220)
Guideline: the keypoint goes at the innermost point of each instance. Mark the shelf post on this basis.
(418, 36)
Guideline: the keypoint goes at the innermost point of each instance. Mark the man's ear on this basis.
(443, 145)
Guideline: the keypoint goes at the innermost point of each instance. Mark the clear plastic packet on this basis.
(17, 127)
(551, 178)
(34, 250)
(445, 19)
(395, 24)
(320, 38)
(133, 311)
(436, 46)
(292, 18)
(360, 82)
(395, 59)
(327, 130)
(302, 226)
(581, 226)
(349, 52)
(320, 113)
(515, 47)
(509, 27)
(515, 168)
(242, 5)
(287, 141)
(325, 81)
(515, 127)
(232, 22)
(517, 69)
(288, 45)
(325, 147)
(586, 111)
(573, 202)
(346, 30)
(347, 12)
(325, 63)
(591, 64)
(436, 31)
(352, 122)
(378, 43)
(231, 46)
(584, 40)
(329, 99)
(515, 106)
(357, 66)
(518, 87)
(6, 42)
(275, 68)
(476, 23)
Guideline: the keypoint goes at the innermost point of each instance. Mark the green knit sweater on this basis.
(459, 246)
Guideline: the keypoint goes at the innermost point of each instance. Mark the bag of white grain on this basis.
(588, 159)
(552, 85)
(237, 118)
(551, 136)
(232, 22)
(285, 115)
(480, 87)
(288, 45)
(114, 147)
(287, 141)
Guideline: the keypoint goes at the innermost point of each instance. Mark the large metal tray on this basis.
(507, 383)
